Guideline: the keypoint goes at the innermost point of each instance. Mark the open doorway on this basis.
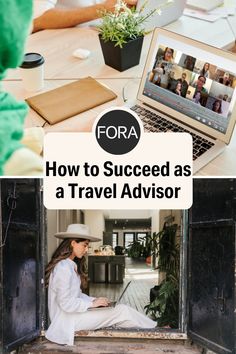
(40, 226)
(126, 254)
(205, 237)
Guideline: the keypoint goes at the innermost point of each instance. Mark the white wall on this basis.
(155, 223)
(52, 228)
(127, 214)
(165, 213)
(95, 220)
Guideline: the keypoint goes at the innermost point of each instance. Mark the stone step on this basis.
(113, 346)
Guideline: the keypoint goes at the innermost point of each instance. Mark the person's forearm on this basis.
(63, 18)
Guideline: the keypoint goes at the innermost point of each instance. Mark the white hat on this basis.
(77, 231)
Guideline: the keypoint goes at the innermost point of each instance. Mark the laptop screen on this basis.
(195, 82)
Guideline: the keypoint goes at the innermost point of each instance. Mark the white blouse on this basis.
(65, 301)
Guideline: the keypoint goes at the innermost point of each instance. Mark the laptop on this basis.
(202, 105)
(169, 12)
(112, 304)
(204, 5)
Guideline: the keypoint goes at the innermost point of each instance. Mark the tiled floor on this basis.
(142, 277)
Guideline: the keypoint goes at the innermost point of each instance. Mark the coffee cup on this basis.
(32, 72)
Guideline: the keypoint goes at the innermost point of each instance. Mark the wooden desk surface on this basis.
(80, 122)
(57, 47)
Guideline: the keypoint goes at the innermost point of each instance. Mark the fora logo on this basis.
(118, 131)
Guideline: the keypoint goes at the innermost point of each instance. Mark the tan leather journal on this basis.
(71, 99)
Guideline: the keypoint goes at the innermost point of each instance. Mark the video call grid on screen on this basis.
(179, 78)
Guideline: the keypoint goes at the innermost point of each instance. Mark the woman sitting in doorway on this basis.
(68, 305)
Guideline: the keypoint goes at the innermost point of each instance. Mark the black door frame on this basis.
(183, 304)
(1, 284)
(40, 292)
(227, 219)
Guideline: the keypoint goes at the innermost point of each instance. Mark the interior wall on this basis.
(155, 221)
(52, 228)
(164, 214)
(95, 220)
(57, 221)
(67, 217)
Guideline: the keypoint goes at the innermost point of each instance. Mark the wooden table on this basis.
(78, 123)
(61, 67)
(57, 47)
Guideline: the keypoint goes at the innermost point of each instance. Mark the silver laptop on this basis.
(179, 93)
(204, 5)
(169, 12)
(112, 303)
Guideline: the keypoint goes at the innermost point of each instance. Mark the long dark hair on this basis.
(64, 251)
(203, 71)
(219, 110)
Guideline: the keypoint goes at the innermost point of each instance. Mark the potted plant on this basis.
(121, 35)
(164, 298)
(135, 249)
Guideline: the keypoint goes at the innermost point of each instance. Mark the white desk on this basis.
(57, 47)
(217, 34)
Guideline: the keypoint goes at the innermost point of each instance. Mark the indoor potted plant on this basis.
(164, 298)
(121, 35)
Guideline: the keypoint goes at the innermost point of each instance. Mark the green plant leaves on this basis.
(165, 308)
(123, 25)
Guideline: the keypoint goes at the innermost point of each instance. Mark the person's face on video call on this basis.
(216, 106)
(226, 76)
(201, 82)
(179, 86)
(189, 61)
(225, 98)
(80, 249)
(168, 54)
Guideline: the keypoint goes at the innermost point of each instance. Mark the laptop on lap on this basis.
(169, 12)
(112, 303)
(179, 93)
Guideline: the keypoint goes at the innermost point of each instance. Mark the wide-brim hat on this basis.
(77, 231)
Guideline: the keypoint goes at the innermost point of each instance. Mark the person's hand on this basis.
(131, 2)
(100, 301)
(109, 5)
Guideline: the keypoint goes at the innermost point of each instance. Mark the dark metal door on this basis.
(211, 291)
(22, 237)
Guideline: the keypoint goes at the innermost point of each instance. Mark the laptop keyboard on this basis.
(154, 123)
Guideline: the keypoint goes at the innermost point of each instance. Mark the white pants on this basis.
(121, 316)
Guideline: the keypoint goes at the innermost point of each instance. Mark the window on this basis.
(140, 236)
(129, 238)
(114, 239)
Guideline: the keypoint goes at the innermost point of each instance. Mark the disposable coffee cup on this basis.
(32, 72)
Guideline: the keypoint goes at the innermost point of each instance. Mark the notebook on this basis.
(179, 93)
(113, 303)
(71, 99)
(169, 12)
